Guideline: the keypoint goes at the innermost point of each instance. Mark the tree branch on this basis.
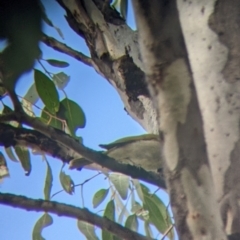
(61, 209)
(63, 48)
(91, 155)
(58, 144)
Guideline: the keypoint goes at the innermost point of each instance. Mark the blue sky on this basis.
(106, 122)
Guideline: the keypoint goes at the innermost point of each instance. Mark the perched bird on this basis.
(141, 151)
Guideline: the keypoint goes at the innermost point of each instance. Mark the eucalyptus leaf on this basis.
(30, 98)
(148, 229)
(110, 214)
(138, 188)
(99, 197)
(57, 63)
(3, 167)
(87, 230)
(10, 154)
(132, 222)
(32, 95)
(123, 212)
(110, 211)
(24, 158)
(120, 206)
(47, 91)
(6, 109)
(44, 221)
(78, 163)
(124, 8)
(61, 80)
(121, 183)
(66, 182)
(165, 213)
(156, 216)
(51, 119)
(48, 182)
(48, 21)
(137, 208)
(73, 114)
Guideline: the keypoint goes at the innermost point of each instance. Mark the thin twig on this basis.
(63, 122)
(167, 231)
(63, 48)
(76, 185)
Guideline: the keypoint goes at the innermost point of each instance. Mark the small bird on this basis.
(141, 151)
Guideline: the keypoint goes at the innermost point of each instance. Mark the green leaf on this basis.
(158, 214)
(57, 63)
(66, 182)
(87, 230)
(155, 214)
(110, 214)
(30, 98)
(124, 8)
(121, 183)
(6, 109)
(148, 229)
(10, 154)
(50, 119)
(116, 4)
(110, 211)
(24, 158)
(73, 114)
(47, 91)
(61, 80)
(78, 163)
(139, 210)
(44, 221)
(32, 95)
(136, 207)
(166, 216)
(48, 182)
(123, 212)
(132, 222)
(99, 197)
(3, 167)
(48, 21)
(44, 15)
(138, 188)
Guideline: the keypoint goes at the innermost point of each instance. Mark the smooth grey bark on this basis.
(213, 48)
(189, 53)
(168, 73)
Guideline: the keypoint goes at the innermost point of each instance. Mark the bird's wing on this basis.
(126, 140)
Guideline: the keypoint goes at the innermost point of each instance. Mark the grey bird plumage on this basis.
(141, 151)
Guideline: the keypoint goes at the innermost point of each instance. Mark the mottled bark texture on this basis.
(177, 75)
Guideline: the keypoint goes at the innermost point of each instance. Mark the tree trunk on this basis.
(188, 52)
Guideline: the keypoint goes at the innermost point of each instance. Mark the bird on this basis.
(141, 151)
